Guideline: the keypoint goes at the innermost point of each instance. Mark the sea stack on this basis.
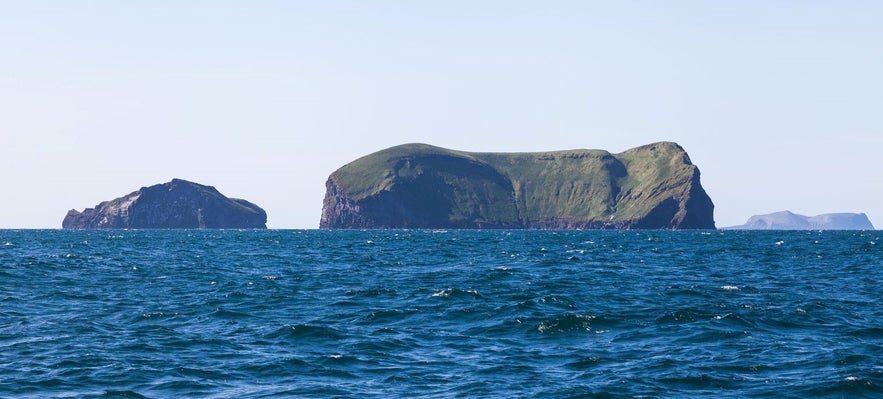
(178, 204)
(422, 186)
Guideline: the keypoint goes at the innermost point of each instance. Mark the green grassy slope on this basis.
(655, 172)
(561, 185)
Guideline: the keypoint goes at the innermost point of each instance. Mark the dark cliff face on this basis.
(178, 204)
(421, 186)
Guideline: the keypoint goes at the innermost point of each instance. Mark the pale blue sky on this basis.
(779, 103)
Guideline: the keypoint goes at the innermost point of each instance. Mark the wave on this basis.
(420, 314)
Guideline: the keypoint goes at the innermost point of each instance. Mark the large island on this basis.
(178, 204)
(421, 186)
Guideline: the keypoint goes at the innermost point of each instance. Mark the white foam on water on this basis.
(730, 287)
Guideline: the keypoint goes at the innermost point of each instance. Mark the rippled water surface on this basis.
(254, 314)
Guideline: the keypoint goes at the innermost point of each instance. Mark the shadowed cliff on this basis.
(422, 186)
(178, 204)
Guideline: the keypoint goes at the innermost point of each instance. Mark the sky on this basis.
(779, 103)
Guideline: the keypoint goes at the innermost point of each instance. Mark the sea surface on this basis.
(421, 313)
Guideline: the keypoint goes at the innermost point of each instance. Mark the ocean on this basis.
(437, 314)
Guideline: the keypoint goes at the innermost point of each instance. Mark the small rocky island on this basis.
(787, 220)
(178, 204)
(422, 186)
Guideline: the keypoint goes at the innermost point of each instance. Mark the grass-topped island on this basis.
(422, 186)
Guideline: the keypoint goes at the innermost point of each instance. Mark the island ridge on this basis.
(422, 186)
(178, 204)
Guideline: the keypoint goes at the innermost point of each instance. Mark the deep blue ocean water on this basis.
(407, 313)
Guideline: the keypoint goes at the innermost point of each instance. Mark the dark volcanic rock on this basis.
(178, 204)
(786, 220)
(421, 186)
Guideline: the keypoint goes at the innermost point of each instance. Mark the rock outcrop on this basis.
(786, 220)
(178, 204)
(422, 186)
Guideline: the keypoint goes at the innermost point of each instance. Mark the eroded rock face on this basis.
(178, 204)
(421, 186)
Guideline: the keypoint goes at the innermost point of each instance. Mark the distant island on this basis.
(422, 186)
(786, 220)
(178, 204)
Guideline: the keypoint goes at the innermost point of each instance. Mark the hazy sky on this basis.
(779, 103)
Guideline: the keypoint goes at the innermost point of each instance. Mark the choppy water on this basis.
(252, 314)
